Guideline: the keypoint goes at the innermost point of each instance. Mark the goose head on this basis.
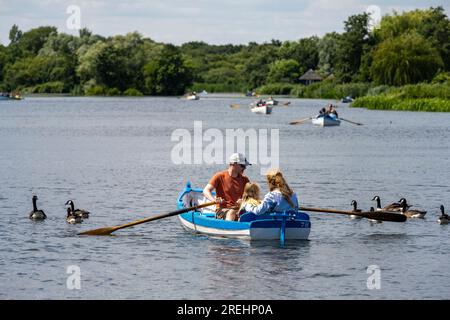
(378, 200)
(71, 204)
(354, 204)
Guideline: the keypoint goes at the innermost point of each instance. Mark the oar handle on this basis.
(165, 215)
(326, 210)
(375, 215)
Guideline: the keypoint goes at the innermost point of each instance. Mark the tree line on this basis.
(405, 48)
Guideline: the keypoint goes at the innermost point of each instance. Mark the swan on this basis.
(36, 214)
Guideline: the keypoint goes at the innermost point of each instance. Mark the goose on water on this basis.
(373, 220)
(394, 207)
(72, 218)
(411, 213)
(355, 209)
(444, 218)
(78, 212)
(36, 214)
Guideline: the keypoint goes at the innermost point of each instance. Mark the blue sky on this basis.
(212, 21)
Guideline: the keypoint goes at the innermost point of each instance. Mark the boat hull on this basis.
(264, 229)
(250, 227)
(262, 110)
(326, 121)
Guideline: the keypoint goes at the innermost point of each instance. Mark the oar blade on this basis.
(299, 121)
(98, 232)
(385, 216)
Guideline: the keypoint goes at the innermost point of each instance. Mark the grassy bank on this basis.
(420, 97)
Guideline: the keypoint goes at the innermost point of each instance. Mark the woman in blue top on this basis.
(281, 198)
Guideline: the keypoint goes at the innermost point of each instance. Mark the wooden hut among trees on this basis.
(310, 77)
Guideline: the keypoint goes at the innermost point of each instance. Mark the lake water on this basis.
(112, 156)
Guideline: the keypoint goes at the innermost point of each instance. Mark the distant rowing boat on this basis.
(283, 226)
(326, 120)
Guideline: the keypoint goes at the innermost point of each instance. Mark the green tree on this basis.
(351, 46)
(327, 47)
(285, 70)
(305, 52)
(15, 34)
(408, 58)
(167, 74)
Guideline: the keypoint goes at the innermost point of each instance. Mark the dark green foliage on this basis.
(411, 47)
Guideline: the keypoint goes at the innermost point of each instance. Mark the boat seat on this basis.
(194, 198)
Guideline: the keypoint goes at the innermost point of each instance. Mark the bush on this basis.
(383, 102)
(96, 91)
(276, 88)
(132, 92)
(330, 90)
(49, 87)
(113, 92)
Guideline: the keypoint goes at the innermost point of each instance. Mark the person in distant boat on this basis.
(322, 112)
(281, 198)
(229, 186)
(332, 110)
(250, 198)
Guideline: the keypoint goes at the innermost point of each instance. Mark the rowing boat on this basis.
(281, 225)
(326, 120)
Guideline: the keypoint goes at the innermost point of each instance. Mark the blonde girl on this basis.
(280, 198)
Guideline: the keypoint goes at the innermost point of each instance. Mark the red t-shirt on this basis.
(228, 188)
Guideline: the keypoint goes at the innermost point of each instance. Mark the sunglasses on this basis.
(242, 166)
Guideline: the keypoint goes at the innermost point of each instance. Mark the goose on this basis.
(79, 212)
(411, 213)
(372, 221)
(36, 214)
(444, 218)
(396, 206)
(377, 199)
(72, 218)
(355, 209)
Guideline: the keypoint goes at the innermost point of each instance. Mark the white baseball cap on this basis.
(239, 159)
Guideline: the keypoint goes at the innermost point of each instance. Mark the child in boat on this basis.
(280, 199)
(250, 198)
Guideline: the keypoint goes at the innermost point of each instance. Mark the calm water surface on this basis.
(112, 156)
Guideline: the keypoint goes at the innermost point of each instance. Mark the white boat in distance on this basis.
(262, 109)
(192, 97)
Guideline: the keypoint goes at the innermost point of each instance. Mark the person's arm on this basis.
(207, 192)
(267, 205)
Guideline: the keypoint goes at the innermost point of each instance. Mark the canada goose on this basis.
(78, 212)
(36, 214)
(377, 199)
(444, 218)
(355, 209)
(373, 220)
(396, 206)
(72, 218)
(411, 213)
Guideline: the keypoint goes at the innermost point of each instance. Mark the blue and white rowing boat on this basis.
(326, 120)
(282, 226)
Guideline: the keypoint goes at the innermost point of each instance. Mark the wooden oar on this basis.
(108, 230)
(357, 123)
(300, 121)
(374, 215)
(234, 106)
(286, 103)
